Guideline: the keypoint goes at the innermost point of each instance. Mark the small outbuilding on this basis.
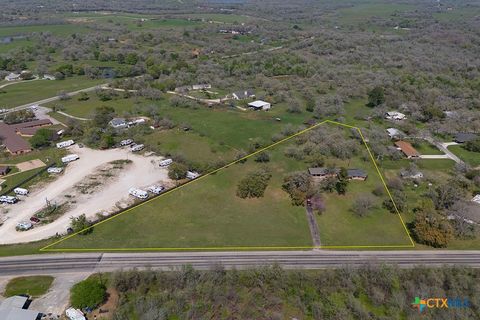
(260, 105)
(395, 115)
(395, 133)
(4, 170)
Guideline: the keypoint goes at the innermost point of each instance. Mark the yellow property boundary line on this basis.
(411, 245)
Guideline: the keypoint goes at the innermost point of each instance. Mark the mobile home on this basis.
(137, 147)
(166, 162)
(65, 144)
(192, 175)
(20, 191)
(70, 158)
(8, 199)
(137, 193)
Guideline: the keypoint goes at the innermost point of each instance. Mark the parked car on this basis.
(34, 220)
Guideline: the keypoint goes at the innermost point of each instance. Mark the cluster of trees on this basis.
(19, 116)
(80, 223)
(43, 138)
(253, 185)
(473, 145)
(314, 146)
(367, 292)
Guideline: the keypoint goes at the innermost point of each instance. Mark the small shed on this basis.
(4, 170)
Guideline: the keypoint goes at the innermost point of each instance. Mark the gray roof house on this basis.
(240, 95)
(465, 137)
(118, 123)
(357, 174)
(16, 308)
(323, 172)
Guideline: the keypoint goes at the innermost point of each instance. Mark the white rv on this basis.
(20, 191)
(155, 189)
(192, 175)
(70, 158)
(74, 314)
(166, 162)
(137, 147)
(137, 193)
(65, 144)
(126, 142)
(8, 199)
(54, 170)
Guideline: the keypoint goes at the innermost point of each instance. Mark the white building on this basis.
(13, 77)
(49, 77)
(201, 86)
(74, 314)
(260, 105)
(395, 115)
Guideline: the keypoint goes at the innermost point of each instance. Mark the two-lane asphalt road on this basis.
(318, 259)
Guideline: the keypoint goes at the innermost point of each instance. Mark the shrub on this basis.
(177, 171)
(88, 294)
(254, 184)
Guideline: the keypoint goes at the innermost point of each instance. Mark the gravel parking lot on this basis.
(141, 172)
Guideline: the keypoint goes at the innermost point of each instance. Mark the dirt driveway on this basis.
(142, 172)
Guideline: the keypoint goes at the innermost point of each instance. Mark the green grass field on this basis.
(189, 145)
(207, 214)
(22, 93)
(426, 148)
(59, 30)
(364, 10)
(472, 158)
(34, 286)
(215, 130)
(85, 109)
(15, 44)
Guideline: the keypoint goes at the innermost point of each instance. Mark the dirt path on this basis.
(312, 224)
(142, 172)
